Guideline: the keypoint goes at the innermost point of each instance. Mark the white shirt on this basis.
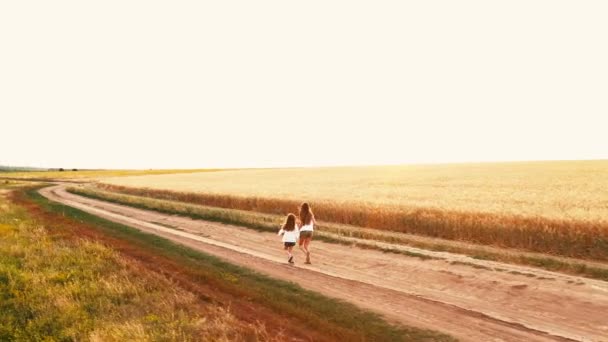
(307, 227)
(291, 236)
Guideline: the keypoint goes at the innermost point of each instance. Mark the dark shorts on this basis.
(306, 234)
(289, 244)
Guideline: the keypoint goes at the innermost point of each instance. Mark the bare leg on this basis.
(306, 243)
(289, 254)
(306, 250)
(301, 243)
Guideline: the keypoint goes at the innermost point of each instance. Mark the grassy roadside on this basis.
(7, 184)
(335, 233)
(57, 288)
(336, 319)
(257, 221)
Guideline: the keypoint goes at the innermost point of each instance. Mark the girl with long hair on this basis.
(289, 231)
(307, 222)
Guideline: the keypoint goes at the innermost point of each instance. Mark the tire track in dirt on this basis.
(469, 303)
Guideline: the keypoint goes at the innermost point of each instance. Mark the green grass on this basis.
(269, 223)
(58, 289)
(290, 299)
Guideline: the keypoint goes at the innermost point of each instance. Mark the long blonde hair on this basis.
(290, 222)
(306, 215)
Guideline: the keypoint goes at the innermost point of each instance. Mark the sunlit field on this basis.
(552, 207)
(561, 190)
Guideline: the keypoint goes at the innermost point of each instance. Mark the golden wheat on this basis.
(559, 190)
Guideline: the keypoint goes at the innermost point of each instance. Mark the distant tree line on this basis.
(5, 168)
(23, 169)
(62, 169)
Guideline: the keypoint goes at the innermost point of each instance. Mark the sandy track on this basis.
(469, 303)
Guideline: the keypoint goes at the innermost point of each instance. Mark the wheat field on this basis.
(557, 190)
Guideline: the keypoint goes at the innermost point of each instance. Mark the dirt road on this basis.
(497, 302)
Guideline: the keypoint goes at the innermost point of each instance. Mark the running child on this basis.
(307, 221)
(290, 233)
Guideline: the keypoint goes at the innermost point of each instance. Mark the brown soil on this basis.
(491, 302)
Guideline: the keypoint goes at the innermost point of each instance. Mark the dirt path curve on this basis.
(471, 304)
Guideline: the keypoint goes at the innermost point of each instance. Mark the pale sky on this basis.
(188, 84)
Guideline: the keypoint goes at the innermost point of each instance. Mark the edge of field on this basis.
(385, 241)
